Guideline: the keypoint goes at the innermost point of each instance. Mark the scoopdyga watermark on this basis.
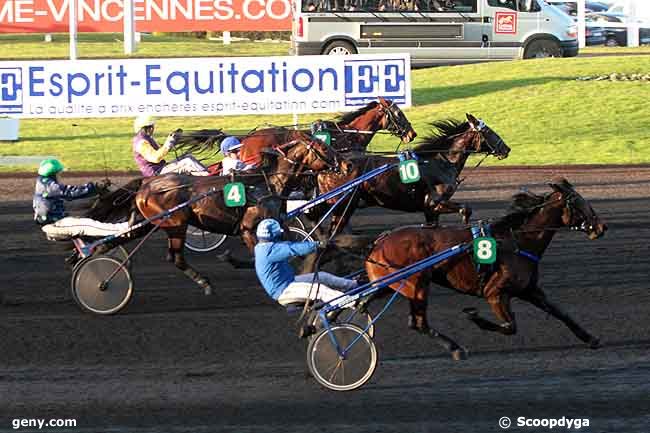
(549, 423)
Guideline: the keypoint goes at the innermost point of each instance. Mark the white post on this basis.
(582, 26)
(632, 24)
(72, 18)
(226, 37)
(129, 27)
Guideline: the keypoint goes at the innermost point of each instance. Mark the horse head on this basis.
(314, 155)
(487, 141)
(578, 213)
(395, 121)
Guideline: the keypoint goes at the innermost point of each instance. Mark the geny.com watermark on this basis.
(18, 423)
(550, 423)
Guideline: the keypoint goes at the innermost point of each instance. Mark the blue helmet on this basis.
(230, 144)
(268, 229)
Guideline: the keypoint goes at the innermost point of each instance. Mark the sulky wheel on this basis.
(95, 292)
(297, 234)
(200, 241)
(356, 318)
(342, 372)
(120, 254)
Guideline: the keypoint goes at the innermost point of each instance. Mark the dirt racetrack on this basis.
(176, 361)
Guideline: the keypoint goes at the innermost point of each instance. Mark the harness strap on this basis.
(532, 257)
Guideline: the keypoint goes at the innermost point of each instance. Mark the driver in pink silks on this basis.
(149, 155)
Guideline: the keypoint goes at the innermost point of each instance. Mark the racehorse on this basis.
(441, 158)
(522, 237)
(266, 190)
(351, 132)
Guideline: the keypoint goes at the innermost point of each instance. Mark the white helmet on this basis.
(143, 120)
(268, 229)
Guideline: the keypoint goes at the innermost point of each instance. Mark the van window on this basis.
(510, 4)
(529, 6)
(390, 5)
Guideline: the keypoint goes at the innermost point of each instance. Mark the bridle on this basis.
(396, 123)
(311, 148)
(586, 222)
(481, 130)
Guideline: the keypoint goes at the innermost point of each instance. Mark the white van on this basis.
(434, 31)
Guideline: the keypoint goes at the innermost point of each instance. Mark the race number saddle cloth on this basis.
(72, 227)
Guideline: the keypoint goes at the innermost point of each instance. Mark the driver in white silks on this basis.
(277, 276)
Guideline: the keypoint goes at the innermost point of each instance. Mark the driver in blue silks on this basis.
(278, 277)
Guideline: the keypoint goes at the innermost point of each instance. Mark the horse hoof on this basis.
(459, 354)
(411, 323)
(594, 343)
(471, 312)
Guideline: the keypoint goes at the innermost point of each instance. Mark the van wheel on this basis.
(340, 48)
(542, 49)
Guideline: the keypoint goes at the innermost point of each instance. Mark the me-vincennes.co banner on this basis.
(201, 86)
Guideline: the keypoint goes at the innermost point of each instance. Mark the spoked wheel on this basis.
(345, 372)
(95, 292)
(298, 234)
(354, 317)
(120, 254)
(200, 241)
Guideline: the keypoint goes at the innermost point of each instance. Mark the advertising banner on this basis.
(201, 86)
(51, 16)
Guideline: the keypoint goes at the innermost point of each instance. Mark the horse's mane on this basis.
(438, 138)
(201, 141)
(349, 117)
(115, 206)
(522, 207)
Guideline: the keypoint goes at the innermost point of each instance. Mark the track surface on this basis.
(175, 360)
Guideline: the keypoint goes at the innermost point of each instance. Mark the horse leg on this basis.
(538, 299)
(454, 207)
(418, 322)
(500, 304)
(176, 243)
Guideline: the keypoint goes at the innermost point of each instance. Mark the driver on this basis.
(49, 210)
(149, 155)
(230, 148)
(277, 276)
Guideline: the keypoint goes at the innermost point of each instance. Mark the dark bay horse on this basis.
(522, 237)
(266, 190)
(442, 156)
(351, 132)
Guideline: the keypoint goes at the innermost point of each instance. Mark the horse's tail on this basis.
(201, 141)
(117, 205)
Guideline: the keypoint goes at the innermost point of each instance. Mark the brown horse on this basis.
(352, 131)
(522, 238)
(266, 189)
(442, 157)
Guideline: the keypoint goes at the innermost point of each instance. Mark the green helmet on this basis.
(50, 167)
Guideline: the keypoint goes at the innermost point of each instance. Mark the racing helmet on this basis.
(230, 144)
(50, 167)
(268, 230)
(142, 121)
